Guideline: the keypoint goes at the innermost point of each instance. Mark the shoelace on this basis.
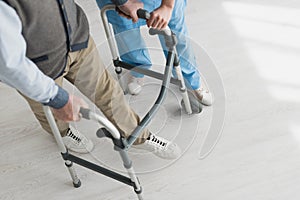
(75, 137)
(157, 141)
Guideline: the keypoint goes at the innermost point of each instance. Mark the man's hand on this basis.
(129, 9)
(160, 17)
(70, 112)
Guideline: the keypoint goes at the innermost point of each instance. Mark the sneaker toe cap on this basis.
(134, 88)
(174, 151)
(207, 99)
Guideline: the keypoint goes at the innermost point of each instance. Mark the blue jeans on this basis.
(132, 47)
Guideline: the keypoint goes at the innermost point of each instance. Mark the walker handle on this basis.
(88, 114)
(143, 14)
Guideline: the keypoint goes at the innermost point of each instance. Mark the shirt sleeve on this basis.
(20, 72)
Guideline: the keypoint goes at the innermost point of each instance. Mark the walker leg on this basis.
(57, 136)
(128, 165)
(121, 80)
(183, 89)
(75, 179)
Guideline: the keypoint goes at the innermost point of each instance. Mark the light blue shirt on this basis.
(16, 70)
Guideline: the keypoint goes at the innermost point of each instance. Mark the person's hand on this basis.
(70, 112)
(160, 17)
(129, 9)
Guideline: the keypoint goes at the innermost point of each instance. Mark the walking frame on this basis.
(121, 144)
(172, 58)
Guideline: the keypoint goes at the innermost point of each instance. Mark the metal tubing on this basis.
(165, 84)
(128, 165)
(183, 91)
(72, 172)
(111, 42)
(187, 103)
(183, 88)
(60, 143)
(54, 129)
(140, 196)
(108, 32)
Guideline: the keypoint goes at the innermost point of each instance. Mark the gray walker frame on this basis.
(121, 144)
(172, 58)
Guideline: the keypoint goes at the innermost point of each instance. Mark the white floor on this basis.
(255, 46)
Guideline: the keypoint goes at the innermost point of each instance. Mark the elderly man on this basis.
(42, 42)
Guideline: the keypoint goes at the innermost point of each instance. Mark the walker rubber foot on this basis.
(77, 185)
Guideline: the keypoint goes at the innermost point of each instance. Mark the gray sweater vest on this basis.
(51, 29)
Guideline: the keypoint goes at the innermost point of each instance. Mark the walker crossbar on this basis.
(153, 74)
(97, 168)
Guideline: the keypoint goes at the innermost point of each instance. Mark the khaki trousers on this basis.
(86, 71)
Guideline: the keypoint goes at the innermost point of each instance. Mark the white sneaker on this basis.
(135, 85)
(160, 147)
(77, 142)
(203, 96)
